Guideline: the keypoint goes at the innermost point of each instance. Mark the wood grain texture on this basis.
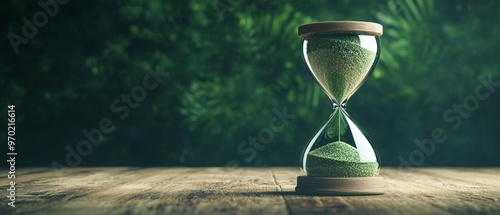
(245, 191)
(340, 26)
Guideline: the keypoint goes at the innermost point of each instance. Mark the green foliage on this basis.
(226, 77)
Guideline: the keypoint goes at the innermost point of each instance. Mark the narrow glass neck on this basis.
(343, 105)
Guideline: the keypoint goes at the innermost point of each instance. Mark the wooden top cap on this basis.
(370, 28)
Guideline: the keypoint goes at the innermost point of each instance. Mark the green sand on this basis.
(338, 159)
(337, 125)
(339, 63)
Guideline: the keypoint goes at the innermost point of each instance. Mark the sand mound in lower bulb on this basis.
(338, 159)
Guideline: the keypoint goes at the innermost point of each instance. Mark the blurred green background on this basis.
(229, 65)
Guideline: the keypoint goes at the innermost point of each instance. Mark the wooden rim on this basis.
(340, 186)
(370, 28)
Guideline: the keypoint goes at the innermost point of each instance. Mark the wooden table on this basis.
(245, 191)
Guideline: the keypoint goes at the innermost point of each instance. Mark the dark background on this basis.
(229, 64)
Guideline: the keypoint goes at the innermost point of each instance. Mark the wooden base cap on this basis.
(340, 186)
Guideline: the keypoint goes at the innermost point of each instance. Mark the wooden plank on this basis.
(121, 190)
(412, 191)
(149, 191)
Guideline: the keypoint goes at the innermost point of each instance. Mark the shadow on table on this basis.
(279, 193)
(274, 193)
(283, 193)
(261, 193)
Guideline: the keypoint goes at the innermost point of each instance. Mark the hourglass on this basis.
(340, 159)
